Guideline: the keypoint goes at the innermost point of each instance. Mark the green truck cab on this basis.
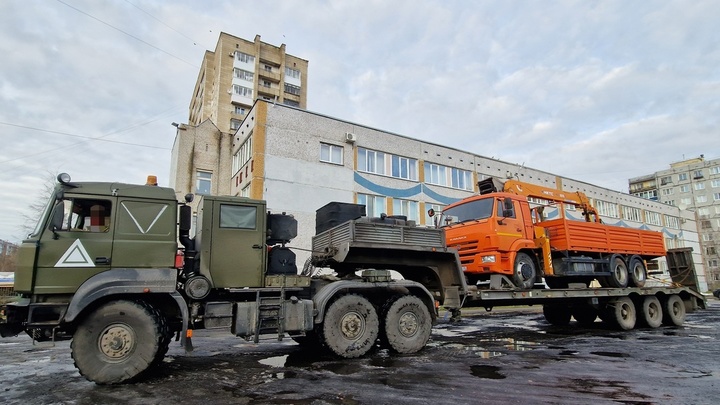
(114, 267)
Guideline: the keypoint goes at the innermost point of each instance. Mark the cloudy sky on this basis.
(599, 91)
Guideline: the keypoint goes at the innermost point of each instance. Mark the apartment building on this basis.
(298, 161)
(694, 185)
(237, 73)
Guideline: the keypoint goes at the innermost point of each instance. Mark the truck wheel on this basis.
(558, 315)
(622, 313)
(407, 325)
(585, 315)
(118, 341)
(652, 314)
(351, 326)
(674, 311)
(524, 271)
(618, 277)
(638, 273)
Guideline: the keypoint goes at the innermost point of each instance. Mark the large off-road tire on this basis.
(621, 313)
(618, 277)
(350, 327)
(524, 271)
(407, 325)
(557, 314)
(673, 311)
(651, 313)
(637, 272)
(119, 341)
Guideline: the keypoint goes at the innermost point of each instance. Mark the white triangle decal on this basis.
(75, 256)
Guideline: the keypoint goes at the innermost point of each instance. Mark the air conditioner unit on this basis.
(350, 137)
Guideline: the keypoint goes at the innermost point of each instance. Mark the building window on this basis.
(712, 263)
(289, 88)
(710, 250)
(715, 170)
(716, 196)
(672, 222)
(404, 168)
(701, 198)
(267, 83)
(291, 103)
(371, 161)
(407, 208)
(699, 186)
(374, 204)
(243, 74)
(704, 211)
(204, 183)
(670, 202)
(715, 183)
(707, 237)
(631, 214)
(665, 180)
(685, 188)
(242, 91)
(685, 201)
(234, 124)
(705, 224)
(461, 179)
(697, 174)
(682, 176)
(243, 155)
(652, 218)
(435, 174)
(243, 57)
(245, 192)
(648, 195)
(239, 110)
(292, 73)
(607, 209)
(667, 191)
(268, 68)
(331, 153)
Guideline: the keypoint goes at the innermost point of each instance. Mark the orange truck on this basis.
(503, 230)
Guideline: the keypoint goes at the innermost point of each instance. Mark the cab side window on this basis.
(86, 215)
(500, 209)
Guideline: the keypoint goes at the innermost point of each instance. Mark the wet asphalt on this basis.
(502, 357)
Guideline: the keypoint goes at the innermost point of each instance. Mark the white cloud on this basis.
(598, 91)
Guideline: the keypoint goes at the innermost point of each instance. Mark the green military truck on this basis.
(114, 267)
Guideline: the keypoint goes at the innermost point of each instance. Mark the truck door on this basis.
(237, 254)
(509, 228)
(80, 248)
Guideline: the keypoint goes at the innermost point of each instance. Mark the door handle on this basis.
(256, 246)
(102, 260)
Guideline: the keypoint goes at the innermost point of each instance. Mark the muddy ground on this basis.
(508, 357)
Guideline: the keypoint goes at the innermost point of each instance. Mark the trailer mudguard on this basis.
(121, 281)
(323, 297)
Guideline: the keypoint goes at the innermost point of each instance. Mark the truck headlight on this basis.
(488, 259)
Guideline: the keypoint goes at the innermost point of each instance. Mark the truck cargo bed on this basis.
(601, 238)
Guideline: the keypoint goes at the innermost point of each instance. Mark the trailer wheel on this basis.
(407, 325)
(118, 341)
(652, 313)
(585, 315)
(558, 315)
(622, 313)
(638, 273)
(674, 311)
(351, 326)
(524, 272)
(618, 277)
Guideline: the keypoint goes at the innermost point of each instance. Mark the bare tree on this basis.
(34, 210)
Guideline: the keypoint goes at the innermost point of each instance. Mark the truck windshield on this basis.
(478, 209)
(43, 217)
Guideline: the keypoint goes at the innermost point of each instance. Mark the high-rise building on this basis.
(231, 78)
(692, 184)
(237, 73)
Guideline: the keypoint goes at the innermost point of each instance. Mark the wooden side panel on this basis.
(601, 238)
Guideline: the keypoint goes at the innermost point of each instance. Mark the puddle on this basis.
(568, 352)
(489, 372)
(611, 354)
(277, 361)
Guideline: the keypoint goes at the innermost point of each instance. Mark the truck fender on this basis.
(122, 281)
(327, 293)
